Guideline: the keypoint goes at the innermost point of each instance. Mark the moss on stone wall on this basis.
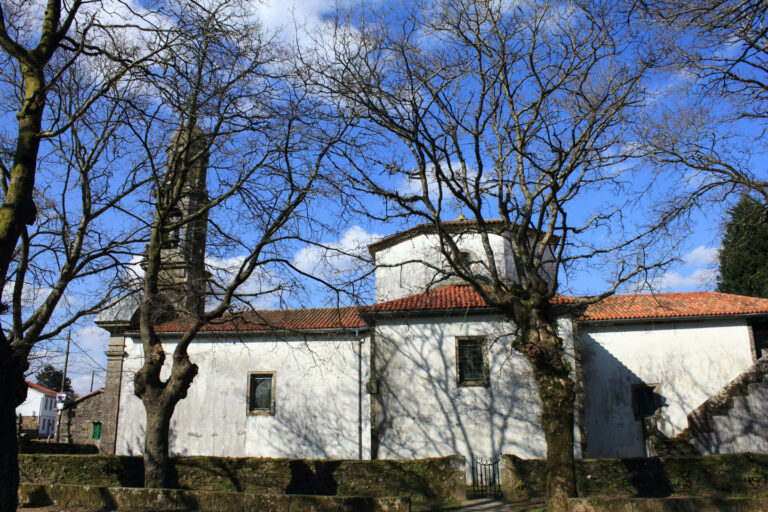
(712, 475)
(424, 479)
(122, 498)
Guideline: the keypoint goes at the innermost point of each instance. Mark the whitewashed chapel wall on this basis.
(690, 361)
(320, 399)
(421, 411)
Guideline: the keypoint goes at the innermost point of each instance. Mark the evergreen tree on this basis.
(744, 253)
(50, 377)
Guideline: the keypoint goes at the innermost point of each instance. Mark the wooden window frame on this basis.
(485, 382)
(261, 412)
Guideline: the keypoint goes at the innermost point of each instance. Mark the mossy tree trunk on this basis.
(160, 399)
(17, 211)
(544, 349)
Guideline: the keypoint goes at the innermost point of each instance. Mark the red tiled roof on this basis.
(615, 307)
(676, 305)
(279, 319)
(464, 297)
(42, 389)
(456, 296)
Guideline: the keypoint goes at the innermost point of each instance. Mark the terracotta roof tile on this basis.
(677, 305)
(448, 297)
(616, 307)
(279, 319)
(462, 297)
(42, 389)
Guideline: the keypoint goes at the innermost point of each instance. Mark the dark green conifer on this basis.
(744, 253)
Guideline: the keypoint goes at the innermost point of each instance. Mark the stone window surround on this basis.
(481, 340)
(261, 412)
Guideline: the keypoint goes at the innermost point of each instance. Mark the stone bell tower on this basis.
(182, 271)
(182, 274)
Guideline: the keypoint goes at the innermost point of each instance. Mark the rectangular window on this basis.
(471, 362)
(646, 400)
(760, 334)
(261, 393)
(96, 432)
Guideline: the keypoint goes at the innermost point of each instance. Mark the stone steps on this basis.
(735, 418)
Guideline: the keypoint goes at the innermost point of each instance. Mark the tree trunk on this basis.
(557, 397)
(13, 392)
(18, 207)
(9, 457)
(157, 464)
(544, 349)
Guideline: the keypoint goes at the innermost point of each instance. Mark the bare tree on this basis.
(517, 115)
(65, 55)
(712, 128)
(239, 121)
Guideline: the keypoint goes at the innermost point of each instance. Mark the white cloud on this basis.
(701, 255)
(343, 257)
(92, 339)
(260, 291)
(702, 278)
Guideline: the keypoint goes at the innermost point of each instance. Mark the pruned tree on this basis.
(517, 115)
(238, 121)
(53, 233)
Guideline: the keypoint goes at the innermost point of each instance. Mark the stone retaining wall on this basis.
(122, 498)
(667, 504)
(713, 475)
(31, 446)
(437, 479)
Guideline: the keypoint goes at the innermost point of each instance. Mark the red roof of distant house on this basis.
(42, 389)
(278, 319)
(615, 307)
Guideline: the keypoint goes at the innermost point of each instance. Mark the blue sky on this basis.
(695, 269)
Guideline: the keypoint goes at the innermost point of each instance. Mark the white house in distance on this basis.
(427, 370)
(39, 408)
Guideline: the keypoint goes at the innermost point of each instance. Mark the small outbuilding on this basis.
(81, 419)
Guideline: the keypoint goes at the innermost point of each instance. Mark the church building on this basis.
(427, 370)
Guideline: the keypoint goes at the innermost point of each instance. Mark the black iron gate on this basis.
(485, 477)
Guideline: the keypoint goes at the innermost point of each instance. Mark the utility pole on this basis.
(93, 372)
(61, 388)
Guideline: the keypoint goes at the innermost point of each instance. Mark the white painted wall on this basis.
(41, 406)
(316, 399)
(410, 266)
(422, 412)
(689, 360)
